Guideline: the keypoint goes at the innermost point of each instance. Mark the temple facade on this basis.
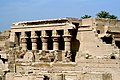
(44, 35)
(65, 49)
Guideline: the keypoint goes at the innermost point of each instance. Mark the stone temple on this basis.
(61, 49)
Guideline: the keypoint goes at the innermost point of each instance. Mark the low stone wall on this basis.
(60, 76)
(100, 63)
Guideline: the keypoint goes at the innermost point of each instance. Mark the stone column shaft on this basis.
(55, 46)
(55, 43)
(55, 37)
(24, 44)
(24, 40)
(44, 46)
(44, 39)
(34, 43)
(67, 46)
(34, 40)
(44, 43)
(67, 40)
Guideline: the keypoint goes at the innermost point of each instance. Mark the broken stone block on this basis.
(28, 56)
(9, 44)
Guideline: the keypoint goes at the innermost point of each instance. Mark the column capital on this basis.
(34, 40)
(24, 40)
(67, 38)
(44, 39)
(23, 34)
(24, 43)
(24, 37)
(43, 33)
(66, 32)
(54, 33)
(33, 34)
(56, 38)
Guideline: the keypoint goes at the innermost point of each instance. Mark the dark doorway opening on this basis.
(117, 44)
(107, 40)
(46, 78)
(61, 40)
(29, 43)
(74, 43)
(50, 41)
(39, 42)
(17, 38)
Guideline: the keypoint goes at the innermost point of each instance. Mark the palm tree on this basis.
(113, 17)
(104, 14)
(85, 16)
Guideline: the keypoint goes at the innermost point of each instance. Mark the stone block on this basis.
(10, 76)
(71, 77)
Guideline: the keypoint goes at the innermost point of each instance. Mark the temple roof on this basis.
(48, 21)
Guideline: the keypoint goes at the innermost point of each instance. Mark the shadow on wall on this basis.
(117, 44)
(75, 44)
(29, 43)
(107, 40)
(46, 78)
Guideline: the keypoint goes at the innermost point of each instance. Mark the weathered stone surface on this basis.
(62, 49)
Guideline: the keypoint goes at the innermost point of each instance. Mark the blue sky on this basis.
(22, 10)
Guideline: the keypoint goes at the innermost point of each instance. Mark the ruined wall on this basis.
(3, 65)
(101, 23)
(92, 56)
(88, 22)
(4, 37)
(93, 45)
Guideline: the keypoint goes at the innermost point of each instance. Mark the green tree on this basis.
(113, 17)
(85, 16)
(104, 14)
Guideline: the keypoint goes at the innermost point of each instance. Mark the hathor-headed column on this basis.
(34, 40)
(44, 39)
(55, 37)
(24, 40)
(67, 40)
